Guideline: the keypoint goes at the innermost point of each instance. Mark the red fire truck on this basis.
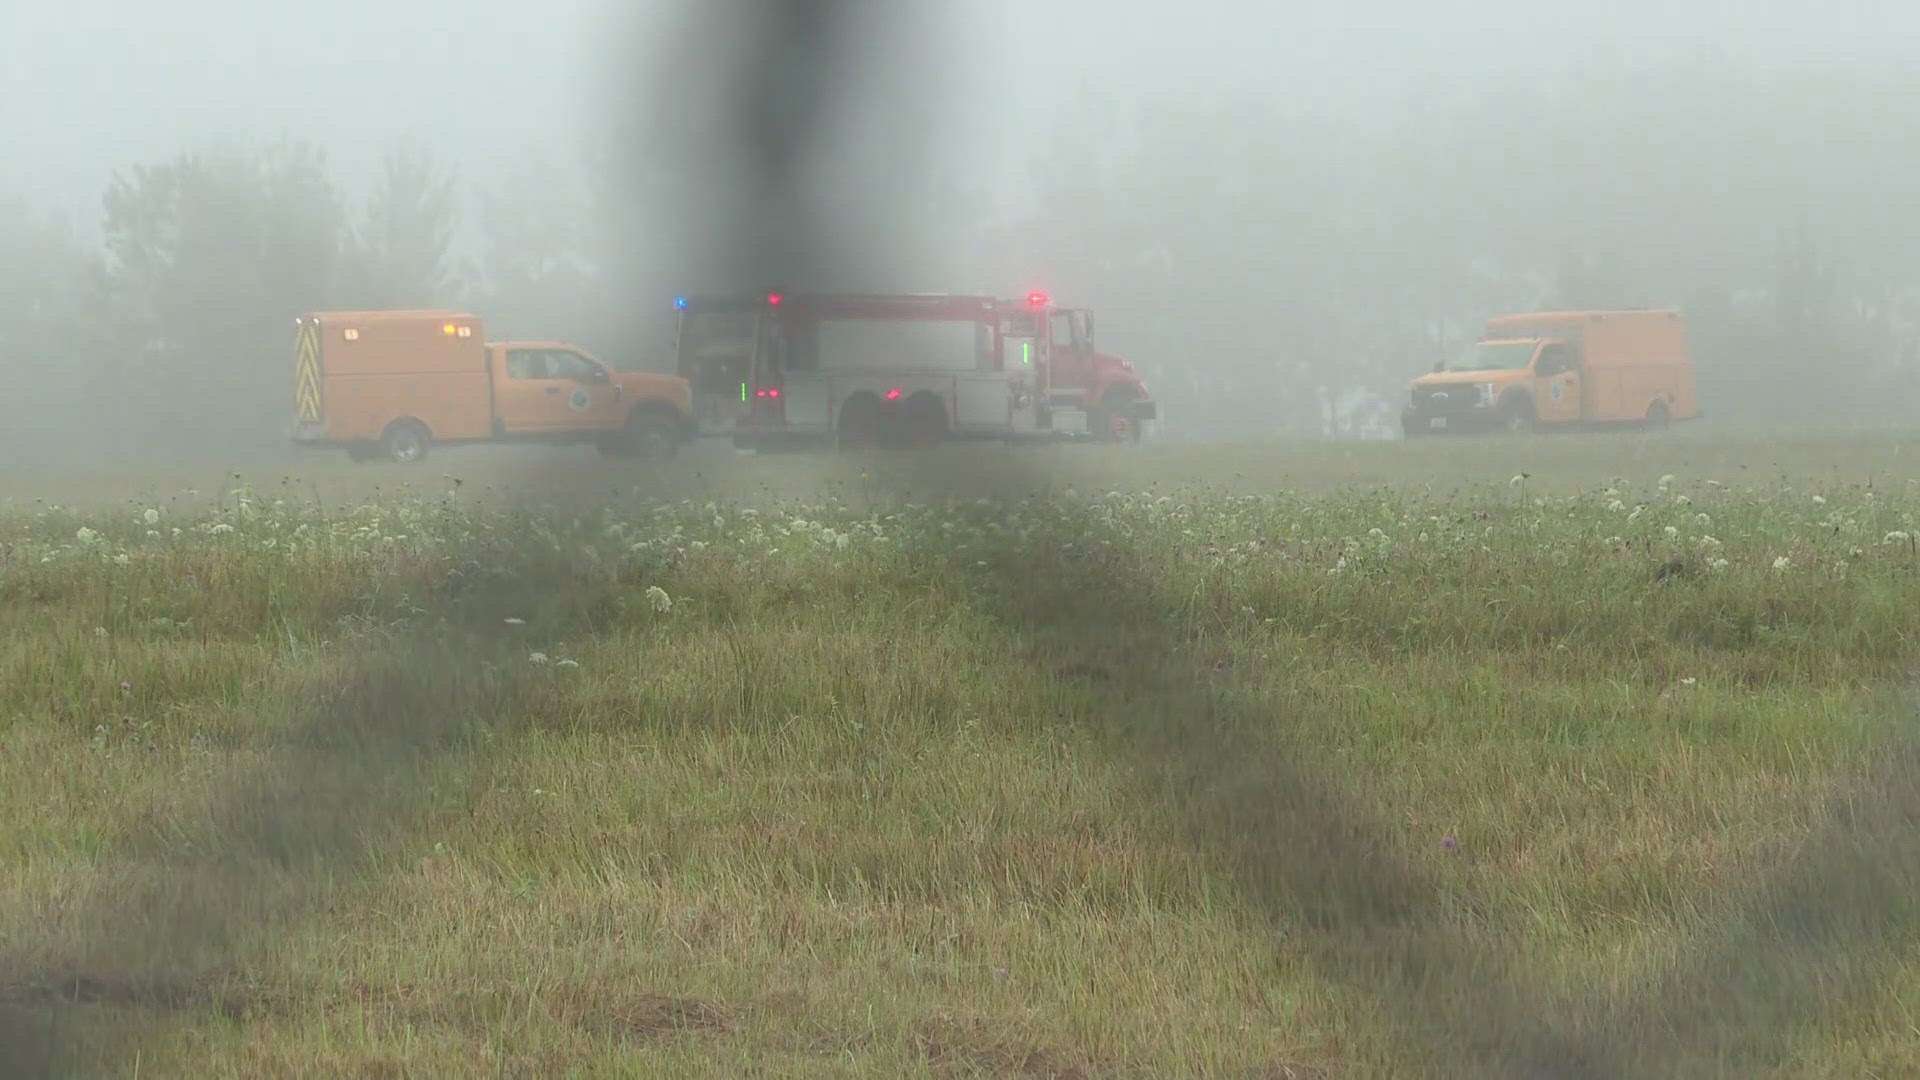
(785, 370)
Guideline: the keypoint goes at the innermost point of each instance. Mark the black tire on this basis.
(1112, 420)
(859, 426)
(406, 441)
(920, 423)
(1516, 418)
(1659, 417)
(649, 434)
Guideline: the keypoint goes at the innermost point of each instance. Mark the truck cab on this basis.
(1104, 390)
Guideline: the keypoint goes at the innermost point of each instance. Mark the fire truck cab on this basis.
(891, 370)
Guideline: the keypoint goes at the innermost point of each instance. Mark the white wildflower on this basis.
(1718, 564)
(220, 530)
(1667, 480)
(152, 516)
(86, 535)
(512, 621)
(1616, 506)
(658, 597)
(1782, 563)
(1682, 500)
(1709, 541)
(1819, 500)
(120, 559)
(1702, 520)
(536, 658)
(1637, 511)
(1897, 537)
(1672, 533)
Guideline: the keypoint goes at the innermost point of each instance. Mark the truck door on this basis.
(591, 399)
(553, 390)
(520, 392)
(1071, 371)
(1557, 387)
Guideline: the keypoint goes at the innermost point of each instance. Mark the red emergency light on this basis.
(774, 298)
(893, 394)
(1037, 298)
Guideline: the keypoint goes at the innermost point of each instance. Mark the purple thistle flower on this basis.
(1448, 842)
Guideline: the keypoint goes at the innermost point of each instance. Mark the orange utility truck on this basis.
(392, 383)
(1561, 369)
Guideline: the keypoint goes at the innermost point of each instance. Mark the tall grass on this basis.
(1194, 784)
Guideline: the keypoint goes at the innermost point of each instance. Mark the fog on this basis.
(1281, 212)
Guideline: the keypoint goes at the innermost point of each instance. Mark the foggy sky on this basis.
(95, 85)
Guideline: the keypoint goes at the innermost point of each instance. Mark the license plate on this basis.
(1438, 422)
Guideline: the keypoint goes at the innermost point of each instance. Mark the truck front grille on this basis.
(1439, 400)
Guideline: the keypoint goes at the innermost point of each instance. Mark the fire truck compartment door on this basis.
(807, 401)
(982, 402)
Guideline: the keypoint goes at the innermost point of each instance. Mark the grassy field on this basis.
(1553, 757)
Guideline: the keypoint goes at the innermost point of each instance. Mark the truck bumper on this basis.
(1414, 423)
(308, 435)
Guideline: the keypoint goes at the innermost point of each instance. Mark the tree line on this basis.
(1270, 269)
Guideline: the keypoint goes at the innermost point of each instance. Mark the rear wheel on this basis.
(405, 441)
(859, 427)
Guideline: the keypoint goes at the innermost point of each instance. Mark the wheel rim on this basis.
(406, 447)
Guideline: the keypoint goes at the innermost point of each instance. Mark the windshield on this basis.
(1495, 356)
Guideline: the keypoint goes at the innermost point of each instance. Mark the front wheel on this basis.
(1517, 420)
(1658, 416)
(646, 435)
(1113, 421)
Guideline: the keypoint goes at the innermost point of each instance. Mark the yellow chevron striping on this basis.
(306, 390)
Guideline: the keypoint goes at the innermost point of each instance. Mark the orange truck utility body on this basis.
(394, 382)
(1561, 369)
